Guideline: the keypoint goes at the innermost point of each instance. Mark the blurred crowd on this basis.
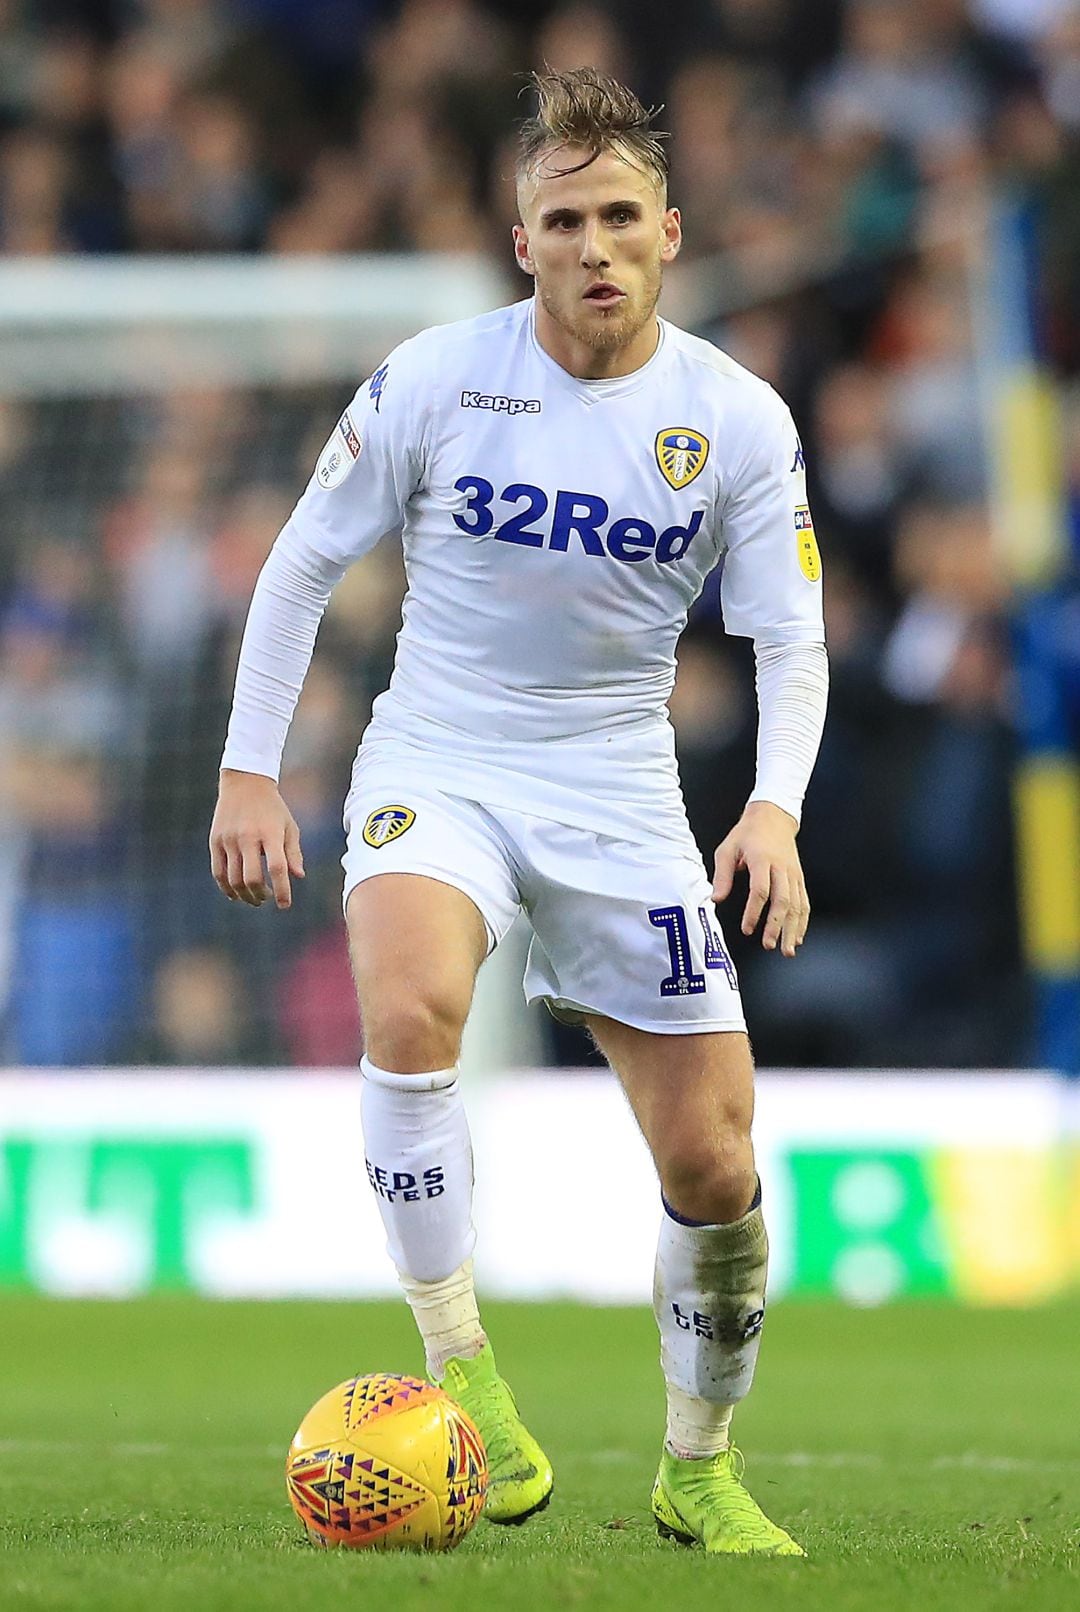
(831, 159)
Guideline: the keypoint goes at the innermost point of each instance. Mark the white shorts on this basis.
(621, 929)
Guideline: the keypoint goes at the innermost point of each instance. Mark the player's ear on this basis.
(671, 229)
(522, 255)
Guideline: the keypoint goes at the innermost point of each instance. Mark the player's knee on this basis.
(413, 1031)
(711, 1179)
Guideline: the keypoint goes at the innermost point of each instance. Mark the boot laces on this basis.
(730, 1501)
(491, 1405)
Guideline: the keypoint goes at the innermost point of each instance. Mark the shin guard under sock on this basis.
(709, 1301)
(419, 1163)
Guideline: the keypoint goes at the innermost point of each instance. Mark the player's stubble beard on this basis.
(605, 332)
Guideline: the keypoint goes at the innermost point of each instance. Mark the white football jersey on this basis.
(556, 532)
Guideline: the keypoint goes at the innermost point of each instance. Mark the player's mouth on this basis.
(604, 294)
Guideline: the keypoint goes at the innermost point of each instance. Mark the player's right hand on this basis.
(253, 826)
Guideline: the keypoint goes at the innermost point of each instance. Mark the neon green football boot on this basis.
(519, 1473)
(704, 1503)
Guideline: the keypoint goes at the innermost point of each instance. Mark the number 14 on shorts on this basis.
(682, 981)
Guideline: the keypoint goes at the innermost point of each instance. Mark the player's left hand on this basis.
(763, 842)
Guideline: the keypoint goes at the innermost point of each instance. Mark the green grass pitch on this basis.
(927, 1457)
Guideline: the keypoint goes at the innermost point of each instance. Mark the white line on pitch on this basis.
(807, 1458)
(45, 1446)
(972, 1460)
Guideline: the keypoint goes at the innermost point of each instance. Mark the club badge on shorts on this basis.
(680, 454)
(809, 558)
(387, 824)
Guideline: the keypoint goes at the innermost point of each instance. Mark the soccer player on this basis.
(567, 471)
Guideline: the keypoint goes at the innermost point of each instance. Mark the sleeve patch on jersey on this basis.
(350, 435)
(386, 824)
(339, 455)
(809, 558)
(681, 454)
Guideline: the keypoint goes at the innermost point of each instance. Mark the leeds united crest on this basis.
(387, 824)
(681, 454)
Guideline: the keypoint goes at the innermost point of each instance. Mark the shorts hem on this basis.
(567, 1011)
(495, 933)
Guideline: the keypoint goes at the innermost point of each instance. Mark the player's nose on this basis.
(594, 249)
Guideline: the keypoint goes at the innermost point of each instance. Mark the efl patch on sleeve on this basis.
(339, 455)
(809, 558)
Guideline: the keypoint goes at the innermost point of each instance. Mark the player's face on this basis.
(596, 242)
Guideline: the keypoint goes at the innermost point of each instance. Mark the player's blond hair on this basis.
(595, 113)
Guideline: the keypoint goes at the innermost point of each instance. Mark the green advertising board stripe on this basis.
(159, 1191)
(868, 1225)
(253, 1186)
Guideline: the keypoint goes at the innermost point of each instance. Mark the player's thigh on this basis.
(414, 940)
(627, 940)
(692, 1095)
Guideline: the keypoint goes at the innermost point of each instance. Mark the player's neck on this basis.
(586, 363)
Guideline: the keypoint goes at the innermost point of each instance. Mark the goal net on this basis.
(157, 421)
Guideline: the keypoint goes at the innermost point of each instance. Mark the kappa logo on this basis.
(386, 824)
(500, 405)
(681, 454)
(809, 558)
(377, 384)
(799, 462)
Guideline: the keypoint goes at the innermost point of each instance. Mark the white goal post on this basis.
(79, 326)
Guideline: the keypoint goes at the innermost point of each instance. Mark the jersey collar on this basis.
(592, 392)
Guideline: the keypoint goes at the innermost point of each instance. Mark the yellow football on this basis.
(387, 1463)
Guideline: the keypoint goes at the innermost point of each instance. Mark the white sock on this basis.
(419, 1163)
(447, 1318)
(709, 1301)
(696, 1428)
